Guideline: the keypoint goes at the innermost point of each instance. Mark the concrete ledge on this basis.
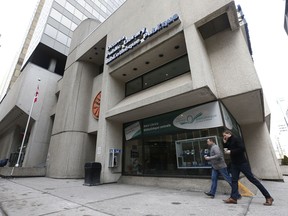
(189, 184)
(23, 172)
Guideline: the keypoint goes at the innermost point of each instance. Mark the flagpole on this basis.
(26, 128)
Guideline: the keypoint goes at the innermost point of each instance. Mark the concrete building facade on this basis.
(142, 92)
(186, 58)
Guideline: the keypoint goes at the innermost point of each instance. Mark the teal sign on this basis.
(201, 117)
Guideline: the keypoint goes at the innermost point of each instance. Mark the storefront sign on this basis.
(205, 116)
(132, 131)
(201, 117)
(125, 44)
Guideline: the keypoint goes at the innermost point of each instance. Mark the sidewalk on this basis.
(65, 197)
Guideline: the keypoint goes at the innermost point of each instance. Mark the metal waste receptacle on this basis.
(92, 173)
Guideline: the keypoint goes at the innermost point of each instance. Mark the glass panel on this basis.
(78, 14)
(56, 15)
(133, 157)
(166, 72)
(62, 38)
(190, 153)
(66, 22)
(134, 86)
(159, 155)
(49, 30)
(88, 8)
(70, 7)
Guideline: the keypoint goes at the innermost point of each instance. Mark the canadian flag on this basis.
(36, 94)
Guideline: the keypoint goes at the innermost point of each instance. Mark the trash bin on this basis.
(92, 173)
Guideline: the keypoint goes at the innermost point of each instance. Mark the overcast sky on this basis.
(266, 27)
(270, 46)
(15, 18)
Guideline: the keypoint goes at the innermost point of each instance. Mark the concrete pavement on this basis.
(63, 197)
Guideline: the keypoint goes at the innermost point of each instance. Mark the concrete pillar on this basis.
(201, 73)
(261, 154)
(71, 146)
(9, 142)
(110, 133)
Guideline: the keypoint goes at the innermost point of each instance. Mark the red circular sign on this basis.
(96, 106)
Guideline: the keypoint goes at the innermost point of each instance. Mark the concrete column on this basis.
(261, 154)
(110, 133)
(71, 146)
(9, 142)
(201, 72)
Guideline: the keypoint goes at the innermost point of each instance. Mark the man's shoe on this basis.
(230, 201)
(269, 201)
(209, 194)
(239, 197)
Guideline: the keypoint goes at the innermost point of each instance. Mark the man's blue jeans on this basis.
(246, 170)
(214, 178)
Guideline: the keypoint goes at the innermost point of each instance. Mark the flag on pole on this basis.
(36, 94)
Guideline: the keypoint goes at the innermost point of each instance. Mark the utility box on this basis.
(114, 157)
(92, 173)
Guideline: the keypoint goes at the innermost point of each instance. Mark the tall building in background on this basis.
(48, 40)
(43, 56)
(282, 135)
(26, 44)
(286, 17)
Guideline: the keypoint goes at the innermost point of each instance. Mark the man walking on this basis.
(218, 167)
(239, 163)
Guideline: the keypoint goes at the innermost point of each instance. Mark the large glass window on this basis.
(174, 143)
(166, 72)
(159, 75)
(179, 154)
(135, 86)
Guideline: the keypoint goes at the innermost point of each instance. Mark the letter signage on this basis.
(126, 44)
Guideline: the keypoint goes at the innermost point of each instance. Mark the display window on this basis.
(174, 144)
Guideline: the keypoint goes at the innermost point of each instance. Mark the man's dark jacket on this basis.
(236, 146)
